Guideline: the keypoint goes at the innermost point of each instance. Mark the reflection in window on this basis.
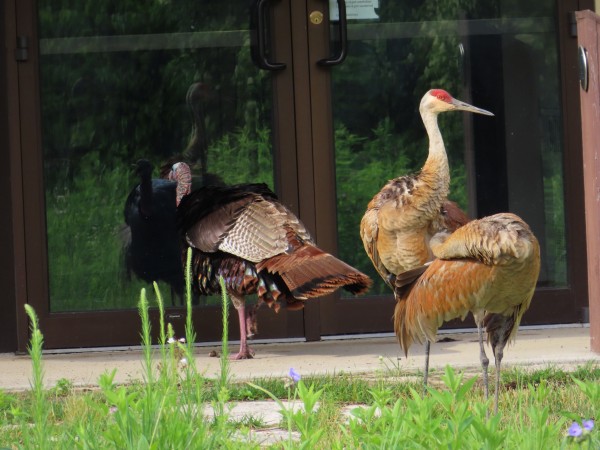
(129, 80)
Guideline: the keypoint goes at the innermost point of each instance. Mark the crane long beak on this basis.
(466, 107)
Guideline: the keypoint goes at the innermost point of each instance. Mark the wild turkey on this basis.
(488, 267)
(153, 250)
(245, 235)
(409, 210)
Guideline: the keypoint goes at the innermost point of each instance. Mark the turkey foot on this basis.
(245, 351)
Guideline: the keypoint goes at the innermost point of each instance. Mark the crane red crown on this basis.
(441, 94)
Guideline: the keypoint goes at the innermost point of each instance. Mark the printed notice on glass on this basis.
(355, 10)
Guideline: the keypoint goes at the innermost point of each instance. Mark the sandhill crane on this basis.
(403, 216)
(488, 267)
(397, 226)
(244, 234)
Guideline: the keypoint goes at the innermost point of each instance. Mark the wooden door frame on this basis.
(29, 258)
(306, 182)
(573, 166)
(13, 321)
(561, 305)
(588, 30)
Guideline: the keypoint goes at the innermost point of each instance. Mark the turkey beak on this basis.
(462, 106)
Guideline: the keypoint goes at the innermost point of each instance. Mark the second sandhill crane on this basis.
(488, 267)
(402, 217)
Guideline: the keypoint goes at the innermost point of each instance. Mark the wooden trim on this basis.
(305, 146)
(572, 160)
(122, 328)
(31, 171)
(322, 131)
(11, 234)
(588, 25)
(284, 115)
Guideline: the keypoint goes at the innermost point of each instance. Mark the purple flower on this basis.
(295, 376)
(588, 425)
(575, 430)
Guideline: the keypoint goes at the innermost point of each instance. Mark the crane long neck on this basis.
(436, 171)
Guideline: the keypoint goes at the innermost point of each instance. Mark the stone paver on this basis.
(268, 413)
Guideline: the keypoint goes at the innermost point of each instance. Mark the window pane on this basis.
(127, 80)
(501, 56)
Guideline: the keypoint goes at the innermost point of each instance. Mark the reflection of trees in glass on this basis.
(101, 111)
(104, 109)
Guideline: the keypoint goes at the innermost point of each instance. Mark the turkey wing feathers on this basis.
(248, 224)
(258, 245)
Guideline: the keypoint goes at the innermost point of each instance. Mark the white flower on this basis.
(182, 340)
(171, 340)
(183, 362)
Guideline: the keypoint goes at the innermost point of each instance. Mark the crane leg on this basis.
(499, 353)
(245, 351)
(485, 362)
(426, 368)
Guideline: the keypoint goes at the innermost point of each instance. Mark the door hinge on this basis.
(22, 50)
(572, 24)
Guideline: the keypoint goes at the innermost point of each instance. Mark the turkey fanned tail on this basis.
(310, 272)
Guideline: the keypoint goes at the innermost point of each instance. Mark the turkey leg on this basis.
(245, 351)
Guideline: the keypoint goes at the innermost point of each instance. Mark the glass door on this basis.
(499, 55)
(327, 119)
(156, 80)
(142, 80)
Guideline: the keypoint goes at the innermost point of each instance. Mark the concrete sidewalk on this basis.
(569, 346)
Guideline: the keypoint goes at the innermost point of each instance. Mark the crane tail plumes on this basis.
(405, 338)
(310, 272)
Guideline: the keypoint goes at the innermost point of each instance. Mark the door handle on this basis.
(343, 36)
(258, 37)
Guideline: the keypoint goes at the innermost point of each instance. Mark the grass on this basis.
(165, 409)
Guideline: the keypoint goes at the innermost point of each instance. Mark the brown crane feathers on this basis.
(489, 265)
